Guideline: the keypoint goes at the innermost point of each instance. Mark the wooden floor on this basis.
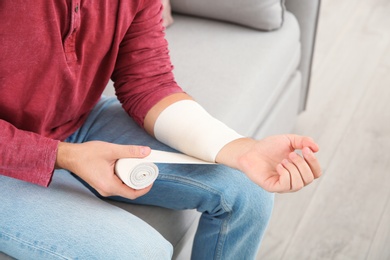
(346, 214)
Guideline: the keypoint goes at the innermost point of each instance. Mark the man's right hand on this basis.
(94, 162)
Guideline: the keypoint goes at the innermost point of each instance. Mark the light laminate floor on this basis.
(346, 214)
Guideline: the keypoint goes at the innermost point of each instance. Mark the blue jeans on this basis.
(67, 219)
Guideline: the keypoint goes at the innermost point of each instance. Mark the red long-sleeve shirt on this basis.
(56, 58)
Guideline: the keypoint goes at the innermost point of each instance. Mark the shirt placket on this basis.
(70, 40)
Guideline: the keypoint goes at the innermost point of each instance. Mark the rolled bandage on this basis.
(140, 173)
(136, 173)
(189, 128)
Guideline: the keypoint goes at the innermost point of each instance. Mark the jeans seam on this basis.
(221, 242)
(29, 244)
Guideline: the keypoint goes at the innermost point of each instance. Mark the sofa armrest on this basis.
(306, 12)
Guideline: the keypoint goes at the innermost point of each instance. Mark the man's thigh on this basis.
(67, 220)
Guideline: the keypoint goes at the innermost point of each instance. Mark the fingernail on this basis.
(307, 152)
(144, 150)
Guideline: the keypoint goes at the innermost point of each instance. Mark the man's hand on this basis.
(94, 163)
(272, 163)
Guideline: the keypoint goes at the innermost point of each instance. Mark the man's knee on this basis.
(249, 199)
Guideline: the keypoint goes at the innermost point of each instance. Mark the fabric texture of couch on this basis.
(264, 15)
(255, 80)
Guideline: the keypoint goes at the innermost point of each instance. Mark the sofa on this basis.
(255, 78)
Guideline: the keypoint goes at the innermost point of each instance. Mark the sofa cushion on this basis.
(236, 73)
(172, 224)
(259, 14)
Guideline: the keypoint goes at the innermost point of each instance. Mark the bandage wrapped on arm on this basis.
(187, 127)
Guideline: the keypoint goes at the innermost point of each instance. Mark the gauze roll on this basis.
(136, 173)
(140, 173)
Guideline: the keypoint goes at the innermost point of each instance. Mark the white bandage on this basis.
(140, 173)
(189, 128)
(136, 173)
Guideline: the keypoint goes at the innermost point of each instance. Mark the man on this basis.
(56, 59)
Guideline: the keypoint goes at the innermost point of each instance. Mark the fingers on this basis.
(127, 192)
(284, 180)
(301, 171)
(115, 187)
(302, 167)
(94, 162)
(121, 189)
(312, 161)
(130, 151)
(299, 142)
(296, 180)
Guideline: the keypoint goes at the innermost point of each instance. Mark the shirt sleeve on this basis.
(143, 72)
(25, 155)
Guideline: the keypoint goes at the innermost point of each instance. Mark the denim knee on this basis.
(237, 217)
(248, 200)
(257, 203)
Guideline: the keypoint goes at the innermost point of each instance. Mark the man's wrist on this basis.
(231, 153)
(64, 153)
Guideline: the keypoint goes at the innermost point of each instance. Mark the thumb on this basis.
(299, 142)
(131, 151)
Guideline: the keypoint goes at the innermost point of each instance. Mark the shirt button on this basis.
(77, 8)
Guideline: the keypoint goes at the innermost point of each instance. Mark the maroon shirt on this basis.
(56, 57)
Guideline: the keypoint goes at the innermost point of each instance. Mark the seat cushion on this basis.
(236, 73)
(172, 224)
(260, 14)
